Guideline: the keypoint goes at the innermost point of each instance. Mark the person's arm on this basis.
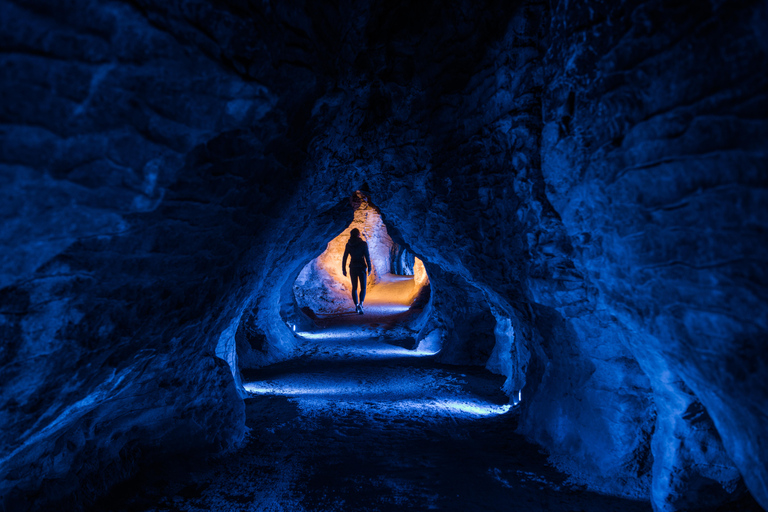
(368, 259)
(344, 261)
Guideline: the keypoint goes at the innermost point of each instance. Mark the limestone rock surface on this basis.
(585, 183)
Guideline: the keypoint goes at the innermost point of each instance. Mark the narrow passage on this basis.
(361, 423)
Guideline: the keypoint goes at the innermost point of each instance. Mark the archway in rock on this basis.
(398, 289)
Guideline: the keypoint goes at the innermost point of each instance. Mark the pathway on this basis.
(361, 424)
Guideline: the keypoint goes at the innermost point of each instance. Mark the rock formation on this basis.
(585, 183)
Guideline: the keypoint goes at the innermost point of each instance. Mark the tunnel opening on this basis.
(383, 362)
(311, 299)
(397, 293)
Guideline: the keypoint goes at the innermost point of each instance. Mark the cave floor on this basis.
(387, 312)
(361, 424)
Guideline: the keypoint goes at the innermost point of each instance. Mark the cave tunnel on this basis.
(398, 281)
(566, 204)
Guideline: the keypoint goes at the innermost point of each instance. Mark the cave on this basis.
(397, 283)
(578, 189)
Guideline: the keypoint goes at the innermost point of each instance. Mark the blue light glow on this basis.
(376, 377)
(457, 407)
(351, 396)
(372, 351)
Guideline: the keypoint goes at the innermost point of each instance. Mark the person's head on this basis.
(354, 234)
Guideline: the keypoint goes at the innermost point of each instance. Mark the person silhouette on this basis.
(359, 266)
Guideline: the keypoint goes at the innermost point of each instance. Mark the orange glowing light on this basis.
(383, 286)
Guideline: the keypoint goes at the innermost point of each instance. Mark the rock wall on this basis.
(135, 163)
(582, 181)
(654, 156)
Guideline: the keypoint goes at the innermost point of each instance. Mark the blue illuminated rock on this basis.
(584, 181)
(653, 151)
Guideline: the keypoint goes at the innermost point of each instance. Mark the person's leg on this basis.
(354, 277)
(363, 283)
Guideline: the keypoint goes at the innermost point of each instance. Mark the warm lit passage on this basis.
(397, 282)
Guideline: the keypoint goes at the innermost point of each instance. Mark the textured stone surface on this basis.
(654, 154)
(584, 182)
(129, 200)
